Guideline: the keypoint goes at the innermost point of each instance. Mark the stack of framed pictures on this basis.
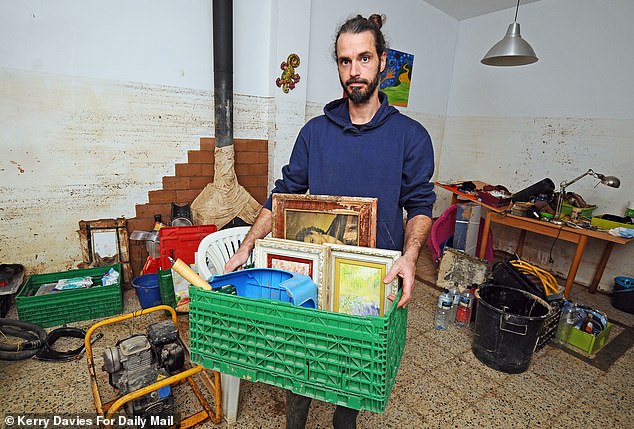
(349, 279)
(331, 240)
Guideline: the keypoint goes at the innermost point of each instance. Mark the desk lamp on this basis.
(610, 181)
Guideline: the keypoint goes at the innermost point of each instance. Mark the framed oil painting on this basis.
(356, 279)
(297, 257)
(324, 219)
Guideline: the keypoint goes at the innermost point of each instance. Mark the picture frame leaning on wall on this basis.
(356, 279)
(324, 219)
(297, 257)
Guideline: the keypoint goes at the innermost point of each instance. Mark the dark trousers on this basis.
(297, 412)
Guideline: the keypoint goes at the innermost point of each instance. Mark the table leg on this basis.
(601, 266)
(520, 242)
(485, 236)
(581, 245)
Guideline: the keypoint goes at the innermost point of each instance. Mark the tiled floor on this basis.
(440, 383)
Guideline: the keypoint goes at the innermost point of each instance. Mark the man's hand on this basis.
(237, 260)
(261, 227)
(416, 232)
(405, 268)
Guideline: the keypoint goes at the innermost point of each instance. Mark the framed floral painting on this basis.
(356, 279)
(297, 257)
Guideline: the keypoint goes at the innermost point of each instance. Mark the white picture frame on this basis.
(298, 257)
(356, 279)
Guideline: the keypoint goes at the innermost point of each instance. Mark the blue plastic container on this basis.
(270, 283)
(147, 290)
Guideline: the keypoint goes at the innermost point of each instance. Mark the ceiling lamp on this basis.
(512, 50)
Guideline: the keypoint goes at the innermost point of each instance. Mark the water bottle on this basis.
(441, 319)
(465, 308)
(455, 300)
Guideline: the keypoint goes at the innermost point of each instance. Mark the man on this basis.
(360, 147)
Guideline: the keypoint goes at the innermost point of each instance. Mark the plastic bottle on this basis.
(441, 319)
(465, 308)
(455, 301)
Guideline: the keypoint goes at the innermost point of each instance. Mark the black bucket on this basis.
(507, 326)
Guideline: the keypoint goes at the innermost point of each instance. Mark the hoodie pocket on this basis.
(384, 234)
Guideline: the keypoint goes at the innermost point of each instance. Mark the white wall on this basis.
(570, 111)
(158, 42)
(99, 101)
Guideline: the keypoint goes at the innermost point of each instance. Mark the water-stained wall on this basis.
(76, 149)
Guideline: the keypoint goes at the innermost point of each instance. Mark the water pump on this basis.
(141, 360)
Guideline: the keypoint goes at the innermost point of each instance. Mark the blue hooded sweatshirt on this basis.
(390, 158)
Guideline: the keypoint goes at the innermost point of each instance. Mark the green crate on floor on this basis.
(68, 306)
(583, 340)
(338, 358)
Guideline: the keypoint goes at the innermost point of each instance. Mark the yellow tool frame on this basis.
(110, 408)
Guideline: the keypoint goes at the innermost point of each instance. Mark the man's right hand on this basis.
(237, 260)
(261, 227)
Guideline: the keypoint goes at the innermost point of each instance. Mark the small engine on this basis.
(141, 360)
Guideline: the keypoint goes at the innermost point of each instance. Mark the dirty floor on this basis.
(440, 383)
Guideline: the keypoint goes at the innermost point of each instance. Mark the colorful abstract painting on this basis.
(397, 76)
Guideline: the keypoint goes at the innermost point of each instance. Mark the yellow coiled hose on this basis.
(549, 283)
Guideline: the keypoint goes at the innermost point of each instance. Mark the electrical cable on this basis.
(550, 252)
(34, 335)
(47, 353)
(548, 281)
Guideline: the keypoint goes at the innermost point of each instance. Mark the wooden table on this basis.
(579, 236)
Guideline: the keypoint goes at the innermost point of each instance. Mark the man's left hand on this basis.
(405, 268)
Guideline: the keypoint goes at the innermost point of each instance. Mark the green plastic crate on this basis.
(71, 305)
(166, 287)
(583, 340)
(338, 358)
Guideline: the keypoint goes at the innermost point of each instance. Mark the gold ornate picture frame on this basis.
(325, 219)
(356, 279)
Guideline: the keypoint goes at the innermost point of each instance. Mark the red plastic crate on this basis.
(181, 242)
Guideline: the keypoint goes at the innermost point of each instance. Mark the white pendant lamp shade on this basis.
(512, 50)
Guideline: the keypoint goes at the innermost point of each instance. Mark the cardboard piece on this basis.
(461, 270)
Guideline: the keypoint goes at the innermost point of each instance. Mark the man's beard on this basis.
(358, 95)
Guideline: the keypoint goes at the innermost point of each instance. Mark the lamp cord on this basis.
(517, 9)
(550, 252)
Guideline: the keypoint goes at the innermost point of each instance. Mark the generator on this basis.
(141, 360)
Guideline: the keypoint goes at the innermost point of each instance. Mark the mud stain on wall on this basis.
(82, 149)
(517, 152)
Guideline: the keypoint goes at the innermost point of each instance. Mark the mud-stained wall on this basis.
(517, 152)
(76, 149)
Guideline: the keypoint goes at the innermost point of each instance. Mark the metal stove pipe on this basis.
(223, 71)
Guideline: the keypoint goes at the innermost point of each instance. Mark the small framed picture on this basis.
(324, 219)
(356, 279)
(297, 257)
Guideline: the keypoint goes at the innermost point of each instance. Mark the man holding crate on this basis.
(360, 147)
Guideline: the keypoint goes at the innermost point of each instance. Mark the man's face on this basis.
(359, 66)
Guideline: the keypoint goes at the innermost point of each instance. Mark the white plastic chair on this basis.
(217, 248)
(213, 253)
